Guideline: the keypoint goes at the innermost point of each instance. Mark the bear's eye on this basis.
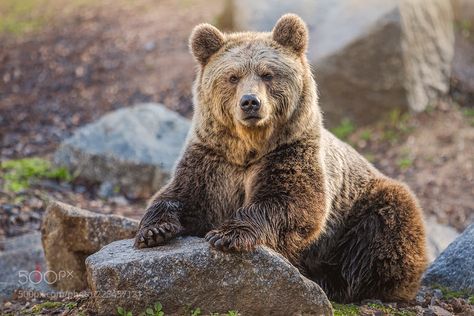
(234, 79)
(267, 77)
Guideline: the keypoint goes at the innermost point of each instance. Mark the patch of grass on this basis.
(345, 309)
(45, 305)
(18, 17)
(465, 27)
(344, 129)
(370, 157)
(366, 134)
(387, 310)
(469, 114)
(404, 163)
(71, 305)
(122, 312)
(396, 125)
(449, 294)
(19, 174)
(471, 299)
(157, 310)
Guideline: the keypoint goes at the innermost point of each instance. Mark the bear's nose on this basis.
(250, 103)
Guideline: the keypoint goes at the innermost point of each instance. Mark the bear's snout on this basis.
(250, 105)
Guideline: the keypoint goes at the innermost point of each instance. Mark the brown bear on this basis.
(259, 169)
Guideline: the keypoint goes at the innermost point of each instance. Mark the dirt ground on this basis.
(88, 58)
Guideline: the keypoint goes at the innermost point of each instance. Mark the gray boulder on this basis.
(70, 234)
(370, 56)
(187, 274)
(134, 148)
(454, 268)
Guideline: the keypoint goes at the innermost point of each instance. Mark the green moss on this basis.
(45, 305)
(19, 174)
(469, 114)
(449, 294)
(345, 128)
(380, 307)
(345, 309)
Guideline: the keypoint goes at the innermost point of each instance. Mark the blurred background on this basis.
(396, 80)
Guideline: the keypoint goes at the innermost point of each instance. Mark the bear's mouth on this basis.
(253, 117)
(251, 120)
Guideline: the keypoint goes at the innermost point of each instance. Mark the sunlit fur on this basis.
(284, 181)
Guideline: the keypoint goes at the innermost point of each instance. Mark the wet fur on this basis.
(287, 182)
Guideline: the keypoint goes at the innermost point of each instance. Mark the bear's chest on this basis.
(228, 191)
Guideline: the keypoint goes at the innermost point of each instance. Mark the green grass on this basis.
(469, 114)
(18, 17)
(449, 294)
(396, 125)
(20, 174)
(46, 305)
(404, 163)
(157, 310)
(345, 309)
(366, 135)
(345, 128)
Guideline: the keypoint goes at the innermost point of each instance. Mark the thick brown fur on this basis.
(283, 180)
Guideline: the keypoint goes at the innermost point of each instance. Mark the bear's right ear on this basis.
(291, 31)
(205, 40)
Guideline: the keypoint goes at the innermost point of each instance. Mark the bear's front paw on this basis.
(232, 239)
(156, 234)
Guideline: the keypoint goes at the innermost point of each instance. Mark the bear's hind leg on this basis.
(382, 254)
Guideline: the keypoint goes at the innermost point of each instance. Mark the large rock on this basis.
(188, 274)
(70, 234)
(134, 148)
(370, 56)
(454, 268)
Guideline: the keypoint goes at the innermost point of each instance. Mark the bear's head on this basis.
(253, 83)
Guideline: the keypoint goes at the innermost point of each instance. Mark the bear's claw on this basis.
(236, 240)
(156, 234)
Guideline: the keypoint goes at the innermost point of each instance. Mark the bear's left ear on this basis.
(205, 40)
(291, 31)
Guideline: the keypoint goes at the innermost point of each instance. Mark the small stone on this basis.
(106, 190)
(149, 46)
(439, 311)
(437, 293)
